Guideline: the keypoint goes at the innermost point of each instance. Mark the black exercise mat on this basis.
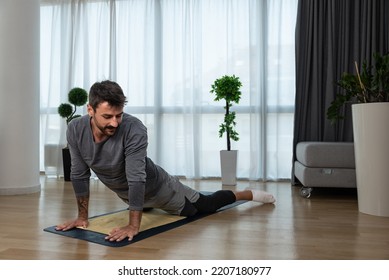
(99, 238)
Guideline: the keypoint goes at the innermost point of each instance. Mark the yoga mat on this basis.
(153, 222)
(150, 219)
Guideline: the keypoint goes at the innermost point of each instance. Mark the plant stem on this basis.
(227, 128)
(71, 116)
(360, 83)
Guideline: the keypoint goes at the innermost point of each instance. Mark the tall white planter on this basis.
(228, 164)
(371, 144)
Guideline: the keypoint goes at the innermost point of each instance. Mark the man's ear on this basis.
(90, 110)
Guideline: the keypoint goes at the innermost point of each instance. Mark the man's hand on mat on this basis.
(118, 234)
(73, 224)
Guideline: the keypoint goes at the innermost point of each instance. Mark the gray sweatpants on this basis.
(172, 196)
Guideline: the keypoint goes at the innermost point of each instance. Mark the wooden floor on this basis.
(327, 226)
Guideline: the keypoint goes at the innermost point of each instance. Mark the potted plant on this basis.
(371, 85)
(368, 90)
(77, 97)
(227, 88)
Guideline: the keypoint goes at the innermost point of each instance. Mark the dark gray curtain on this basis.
(330, 36)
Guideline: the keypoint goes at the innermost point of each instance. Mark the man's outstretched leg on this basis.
(211, 203)
(255, 195)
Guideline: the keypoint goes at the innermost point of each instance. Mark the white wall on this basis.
(19, 96)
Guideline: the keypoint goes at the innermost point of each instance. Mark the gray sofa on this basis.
(324, 164)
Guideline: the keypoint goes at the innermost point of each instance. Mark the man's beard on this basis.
(108, 130)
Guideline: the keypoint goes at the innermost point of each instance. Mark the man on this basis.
(114, 145)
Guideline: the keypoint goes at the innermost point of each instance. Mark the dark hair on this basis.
(106, 91)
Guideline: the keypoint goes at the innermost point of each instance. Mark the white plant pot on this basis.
(228, 164)
(371, 144)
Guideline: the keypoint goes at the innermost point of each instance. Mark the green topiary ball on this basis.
(65, 110)
(78, 96)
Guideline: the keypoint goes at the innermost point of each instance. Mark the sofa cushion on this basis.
(326, 154)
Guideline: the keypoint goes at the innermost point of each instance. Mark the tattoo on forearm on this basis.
(83, 203)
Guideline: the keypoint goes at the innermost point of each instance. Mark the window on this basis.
(166, 54)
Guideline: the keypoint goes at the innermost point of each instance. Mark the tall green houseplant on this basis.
(368, 91)
(227, 88)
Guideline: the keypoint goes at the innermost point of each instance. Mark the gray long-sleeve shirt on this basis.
(120, 162)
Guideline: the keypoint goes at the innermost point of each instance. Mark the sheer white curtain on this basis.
(166, 54)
